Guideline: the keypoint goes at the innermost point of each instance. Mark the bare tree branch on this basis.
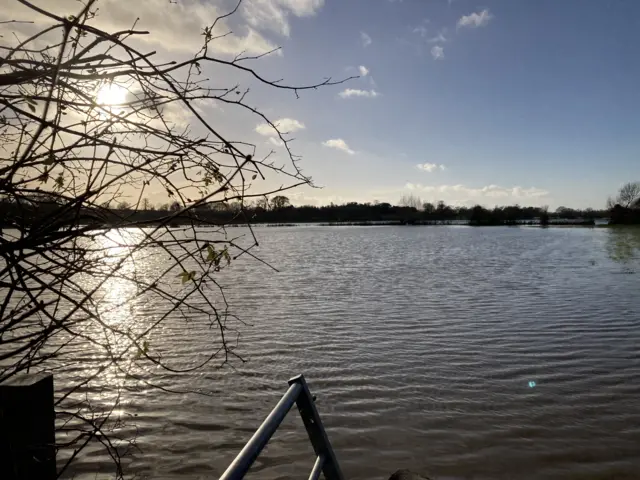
(90, 129)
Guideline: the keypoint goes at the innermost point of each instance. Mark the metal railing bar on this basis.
(317, 468)
(240, 466)
(315, 430)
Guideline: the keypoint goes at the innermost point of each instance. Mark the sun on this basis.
(111, 94)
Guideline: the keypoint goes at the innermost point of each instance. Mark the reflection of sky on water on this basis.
(424, 339)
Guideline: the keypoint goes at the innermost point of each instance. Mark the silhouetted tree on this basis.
(428, 208)
(626, 209)
(263, 203)
(629, 195)
(544, 216)
(411, 201)
(279, 201)
(480, 216)
(64, 134)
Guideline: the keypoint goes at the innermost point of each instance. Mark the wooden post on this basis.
(27, 428)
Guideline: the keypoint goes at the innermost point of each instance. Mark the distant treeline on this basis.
(42, 209)
(439, 213)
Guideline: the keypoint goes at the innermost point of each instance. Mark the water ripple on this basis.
(460, 353)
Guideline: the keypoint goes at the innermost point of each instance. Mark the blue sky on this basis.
(492, 102)
(541, 95)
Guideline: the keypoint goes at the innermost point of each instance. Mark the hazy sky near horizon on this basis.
(491, 102)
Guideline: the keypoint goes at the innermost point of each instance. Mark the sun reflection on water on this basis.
(119, 291)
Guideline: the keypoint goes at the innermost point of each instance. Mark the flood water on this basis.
(456, 352)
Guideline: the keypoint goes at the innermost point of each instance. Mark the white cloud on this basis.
(339, 144)
(303, 8)
(489, 193)
(364, 71)
(202, 105)
(421, 30)
(276, 141)
(474, 20)
(175, 26)
(285, 125)
(430, 167)
(366, 39)
(251, 43)
(354, 92)
(274, 14)
(437, 52)
(440, 38)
